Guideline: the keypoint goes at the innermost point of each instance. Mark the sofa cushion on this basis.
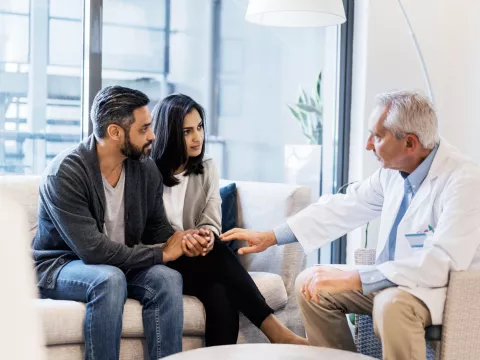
(228, 194)
(63, 320)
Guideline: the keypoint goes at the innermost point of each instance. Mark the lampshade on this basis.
(296, 13)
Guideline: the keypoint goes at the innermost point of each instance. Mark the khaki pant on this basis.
(399, 320)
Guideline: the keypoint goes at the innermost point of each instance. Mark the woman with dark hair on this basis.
(210, 270)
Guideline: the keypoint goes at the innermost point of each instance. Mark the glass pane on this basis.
(39, 103)
(191, 50)
(263, 71)
(14, 38)
(178, 17)
(134, 45)
(15, 6)
(141, 13)
(71, 9)
(132, 49)
(62, 50)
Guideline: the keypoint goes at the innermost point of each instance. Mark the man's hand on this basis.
(173, 249)
(330, 280)
(258, 241)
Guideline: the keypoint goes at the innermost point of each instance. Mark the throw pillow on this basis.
(228, 194)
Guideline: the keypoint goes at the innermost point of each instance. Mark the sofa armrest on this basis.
(461, 318)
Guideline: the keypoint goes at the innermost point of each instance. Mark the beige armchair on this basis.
(457, 338)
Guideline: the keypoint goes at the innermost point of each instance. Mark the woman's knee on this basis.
(214, 295)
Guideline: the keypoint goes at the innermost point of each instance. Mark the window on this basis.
(134, 45)
(261, 72)
(40, 59)
(249, 78)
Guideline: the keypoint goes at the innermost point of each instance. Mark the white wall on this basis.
(385, 59)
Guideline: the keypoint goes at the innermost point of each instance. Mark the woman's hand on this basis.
(198, 243)
(210, 237)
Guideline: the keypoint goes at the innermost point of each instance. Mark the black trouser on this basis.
(224, 287)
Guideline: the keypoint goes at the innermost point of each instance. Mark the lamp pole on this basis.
(419, 52)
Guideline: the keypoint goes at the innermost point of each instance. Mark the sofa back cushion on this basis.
(262, 206)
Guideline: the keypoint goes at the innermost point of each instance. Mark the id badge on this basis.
(416, 240)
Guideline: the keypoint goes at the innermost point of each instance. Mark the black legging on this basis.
(224, 287)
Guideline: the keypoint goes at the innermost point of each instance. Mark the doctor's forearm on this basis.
(284, 234)
(373, 280)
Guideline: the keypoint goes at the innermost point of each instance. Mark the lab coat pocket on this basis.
(416, 241)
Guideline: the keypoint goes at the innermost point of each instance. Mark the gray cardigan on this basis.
(71, 215)
(203, 204)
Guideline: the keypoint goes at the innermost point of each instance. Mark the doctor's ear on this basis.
(412, 141)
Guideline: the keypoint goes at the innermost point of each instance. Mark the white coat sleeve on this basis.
(332, 216)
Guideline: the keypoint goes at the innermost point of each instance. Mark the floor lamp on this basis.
(311, 13)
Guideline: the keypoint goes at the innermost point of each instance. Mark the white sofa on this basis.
(260, 206)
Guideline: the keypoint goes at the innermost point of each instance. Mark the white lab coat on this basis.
(448, 201)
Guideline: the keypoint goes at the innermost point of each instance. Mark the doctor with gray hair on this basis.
(426, 194)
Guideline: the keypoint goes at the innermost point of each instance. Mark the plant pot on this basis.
(303, 164)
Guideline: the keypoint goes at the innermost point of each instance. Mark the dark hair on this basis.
(168, 149)
(115, 105)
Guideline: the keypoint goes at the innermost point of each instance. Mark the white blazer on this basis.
(448, 201)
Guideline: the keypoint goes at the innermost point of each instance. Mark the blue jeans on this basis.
(105, 289)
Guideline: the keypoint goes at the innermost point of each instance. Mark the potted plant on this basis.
(308, 112)
(303, 161)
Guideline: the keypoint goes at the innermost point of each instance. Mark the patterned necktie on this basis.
(388, 252)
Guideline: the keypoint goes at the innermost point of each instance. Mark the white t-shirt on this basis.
(115, 209)
(173, 200)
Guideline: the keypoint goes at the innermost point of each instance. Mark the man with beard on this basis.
(101, 221)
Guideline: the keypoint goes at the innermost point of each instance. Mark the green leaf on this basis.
(300, 117)
(304, 97)
(318, 87)
(294, 112)
(318, 134)
(309, 109)
(300, 99)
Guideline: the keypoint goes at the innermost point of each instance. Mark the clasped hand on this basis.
(197, 242)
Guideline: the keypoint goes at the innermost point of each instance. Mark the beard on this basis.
(134, 152)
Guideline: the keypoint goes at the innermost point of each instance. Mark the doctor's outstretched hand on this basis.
(258, 241)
